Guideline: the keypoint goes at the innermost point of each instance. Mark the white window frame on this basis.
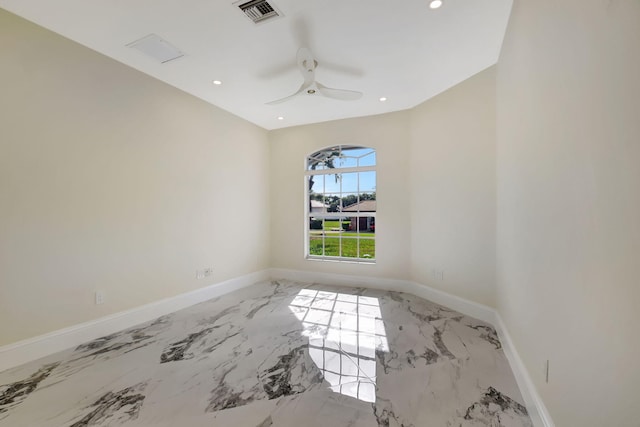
(324, 215)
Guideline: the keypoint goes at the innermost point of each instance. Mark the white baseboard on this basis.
(536, 407)
(34, 348)
(537, 410)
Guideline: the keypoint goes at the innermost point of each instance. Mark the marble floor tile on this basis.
(280, 354)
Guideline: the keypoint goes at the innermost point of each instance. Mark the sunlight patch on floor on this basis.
(344, 332)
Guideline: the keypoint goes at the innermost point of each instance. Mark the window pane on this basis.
(315, 184)
(323, 159)
(316, 204)
(315, 244)
(349, 247)
(333, 203)
(332, 227)
(371, 226)
(332, 183)
(332, 246)
(367, 248)
(367, 202)
(367, 181)
(368, 160)
(315, 226)
(367, 195)
(361, 226)
(349, 182)
(347, 162)
(349, 202)
(346, 225)
(356, 151)
(318, 165)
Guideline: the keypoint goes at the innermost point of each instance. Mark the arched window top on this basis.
(341, 156)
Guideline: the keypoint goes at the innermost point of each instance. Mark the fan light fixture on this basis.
(434, 4)
(307, 65)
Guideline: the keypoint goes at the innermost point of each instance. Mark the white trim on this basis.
(34, 348)
(540, 416)
(535, 406)
(342, 214)
(338, 170)
(347, 260)
(310, 173)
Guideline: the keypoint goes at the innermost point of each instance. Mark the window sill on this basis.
(341, 260)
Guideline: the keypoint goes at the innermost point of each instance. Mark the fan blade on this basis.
(301, 32)
(341, 94)
(300, 91)
(307, 65)
(277, 70)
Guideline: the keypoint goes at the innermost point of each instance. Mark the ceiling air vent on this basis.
(157, 48)
(259, 10)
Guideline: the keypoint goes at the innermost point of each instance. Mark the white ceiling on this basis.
(399, 49)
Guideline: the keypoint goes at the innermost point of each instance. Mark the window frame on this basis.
(308, 215)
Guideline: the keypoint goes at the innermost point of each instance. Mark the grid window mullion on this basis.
(353, 177)
(324, 251)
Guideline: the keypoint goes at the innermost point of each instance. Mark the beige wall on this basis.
(111, 180)
(114, 181)
(569, 203)
(389, 135)
(436, 190)
(453, 190)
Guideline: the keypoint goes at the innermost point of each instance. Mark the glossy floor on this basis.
(278, 354)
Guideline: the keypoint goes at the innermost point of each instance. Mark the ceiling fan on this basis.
(307, 65)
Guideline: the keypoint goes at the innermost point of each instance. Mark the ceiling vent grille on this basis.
(259, 10)
(157, 48)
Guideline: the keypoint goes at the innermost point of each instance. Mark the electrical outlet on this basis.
(99, 297)
(437, 274)
(208, 271)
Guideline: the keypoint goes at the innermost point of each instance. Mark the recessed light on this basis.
(280, 118)
(217, 82)
(435, 4)
(382, 99)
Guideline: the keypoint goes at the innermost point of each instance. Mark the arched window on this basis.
(341, 204)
